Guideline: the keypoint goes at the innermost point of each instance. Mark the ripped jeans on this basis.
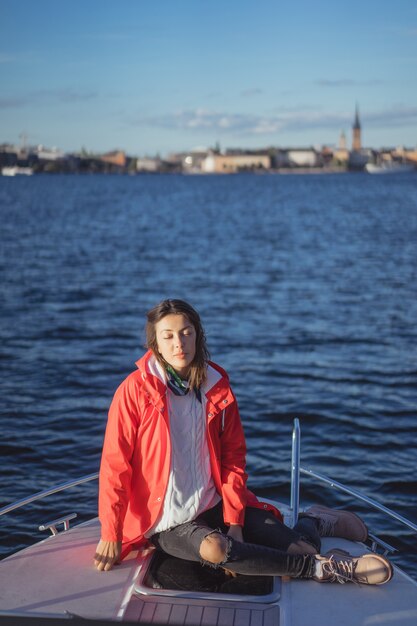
(264, 551)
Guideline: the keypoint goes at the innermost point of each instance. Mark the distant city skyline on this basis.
(173, 76)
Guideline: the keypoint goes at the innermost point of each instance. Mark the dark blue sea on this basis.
(307, 286)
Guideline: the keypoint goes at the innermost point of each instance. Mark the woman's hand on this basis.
(107, 554)
(235, 532)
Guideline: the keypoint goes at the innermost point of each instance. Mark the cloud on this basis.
(233, 123)
(199, 119)
(286, 120)
(12, 103)
(20, 57)
(340, 82)
(68, 95)
(346, 82)
(253, 91)
(398, 115)
(7, 58)
(109, 37)
(65, 95)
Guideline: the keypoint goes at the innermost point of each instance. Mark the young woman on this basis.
(173, 472)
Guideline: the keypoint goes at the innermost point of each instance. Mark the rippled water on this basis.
(307, 286)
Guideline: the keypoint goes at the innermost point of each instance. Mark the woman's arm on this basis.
(116, 474)
(107, 554)
(235, 531)
(233, 463)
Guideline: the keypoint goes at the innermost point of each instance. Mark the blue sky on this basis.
(179, 74)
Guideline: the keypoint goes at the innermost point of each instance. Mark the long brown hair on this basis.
(198, 368)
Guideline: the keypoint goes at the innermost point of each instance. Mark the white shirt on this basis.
(190, 490)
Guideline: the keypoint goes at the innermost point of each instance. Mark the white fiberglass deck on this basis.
(56, 577)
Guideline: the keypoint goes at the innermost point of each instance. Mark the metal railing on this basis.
(48, 492)
(297, 469)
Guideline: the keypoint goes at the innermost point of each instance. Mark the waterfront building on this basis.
(341, 153)
(293, 158)
(303, 157)
(49, 154)
(148, 164)
(192, 161)
(8, 155)
(405, 155)
(117, 157)
(232, 163)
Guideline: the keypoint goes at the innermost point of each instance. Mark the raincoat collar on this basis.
(216, 389)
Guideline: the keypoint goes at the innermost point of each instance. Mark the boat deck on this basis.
(203, 612)
(56, 577)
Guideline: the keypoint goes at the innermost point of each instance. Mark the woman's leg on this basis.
(218, 549)
(262, 527)
(251, 559)
(197, 541)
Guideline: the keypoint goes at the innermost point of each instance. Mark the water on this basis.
(307, 286)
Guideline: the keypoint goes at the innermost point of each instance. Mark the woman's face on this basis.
(176, 338)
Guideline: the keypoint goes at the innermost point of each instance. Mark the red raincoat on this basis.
(136, 455)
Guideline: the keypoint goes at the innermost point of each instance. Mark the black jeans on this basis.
(264, 551)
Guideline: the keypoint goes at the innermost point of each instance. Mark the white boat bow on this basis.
(15, 170)
(55, 578)
(389, 167)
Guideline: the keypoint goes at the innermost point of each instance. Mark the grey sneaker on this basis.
(369, 569)
(337, 523)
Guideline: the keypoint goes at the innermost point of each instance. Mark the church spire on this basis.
(356, 134)
(357, 124)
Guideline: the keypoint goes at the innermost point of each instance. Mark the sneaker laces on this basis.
(341, 570)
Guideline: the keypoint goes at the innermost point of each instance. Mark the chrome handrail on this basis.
(295, 472)
(48, 492)
(297, 469)
(360, 496)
